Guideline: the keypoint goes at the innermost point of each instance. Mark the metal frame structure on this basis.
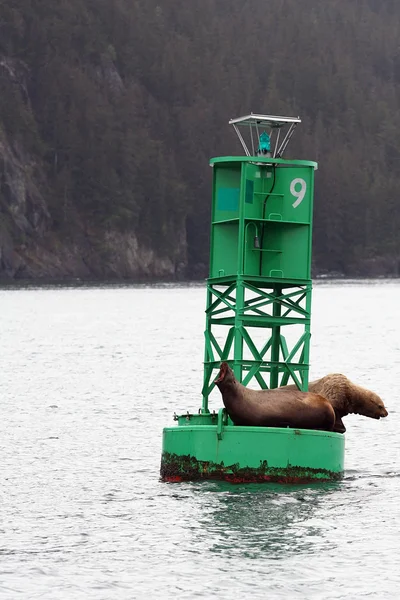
(248, 314)
(253, 122)
(257, 319)
(240, 304)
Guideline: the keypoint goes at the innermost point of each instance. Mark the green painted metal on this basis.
(258, 313)
(260, 271)
(263, 159)
(241, 454)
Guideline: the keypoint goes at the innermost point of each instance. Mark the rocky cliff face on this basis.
(30, 245)
(113, 255)
(29, 248)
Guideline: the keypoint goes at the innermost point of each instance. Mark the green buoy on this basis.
(258, 312)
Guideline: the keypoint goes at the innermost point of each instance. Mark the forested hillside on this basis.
(110, 110)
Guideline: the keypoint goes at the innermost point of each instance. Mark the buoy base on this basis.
(250, 454)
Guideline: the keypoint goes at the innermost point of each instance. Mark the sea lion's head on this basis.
(371, 406)
(225, 375)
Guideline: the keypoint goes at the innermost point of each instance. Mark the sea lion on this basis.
(345, 397)
(273, 408)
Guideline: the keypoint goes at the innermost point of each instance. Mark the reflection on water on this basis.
(269, 520)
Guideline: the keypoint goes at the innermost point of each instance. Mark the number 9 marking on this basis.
(299, 194)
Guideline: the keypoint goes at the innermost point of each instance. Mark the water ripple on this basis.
(89, 378)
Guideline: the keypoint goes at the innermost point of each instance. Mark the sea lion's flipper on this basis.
(339, 425)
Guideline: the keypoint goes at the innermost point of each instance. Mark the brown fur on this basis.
(273, 408)
(346, 397)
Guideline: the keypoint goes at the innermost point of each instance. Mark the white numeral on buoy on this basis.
(299, 193)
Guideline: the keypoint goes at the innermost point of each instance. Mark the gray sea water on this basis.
(90, 376)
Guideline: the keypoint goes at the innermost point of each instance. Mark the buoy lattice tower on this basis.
(260, 261)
